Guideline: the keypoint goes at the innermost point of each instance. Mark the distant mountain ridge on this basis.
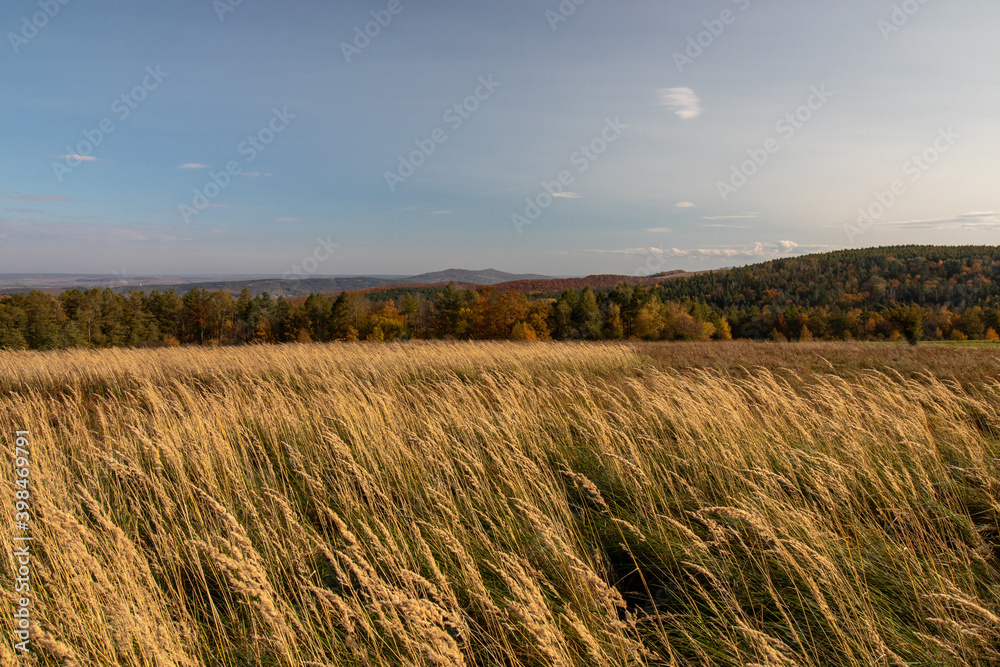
(483, 277)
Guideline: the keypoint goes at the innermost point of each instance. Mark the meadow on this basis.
(500, 503)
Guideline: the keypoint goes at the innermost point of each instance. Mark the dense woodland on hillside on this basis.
(912, 292)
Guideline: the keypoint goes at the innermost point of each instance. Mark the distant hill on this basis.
(954, 276)
(535, 287)
(484, 277)
(595, 282)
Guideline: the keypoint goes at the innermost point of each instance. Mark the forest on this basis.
(893, 293)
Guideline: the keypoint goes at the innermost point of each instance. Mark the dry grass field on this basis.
(509, 504)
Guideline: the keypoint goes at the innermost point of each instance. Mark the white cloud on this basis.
(747, 216)
(566, 195)
(660, 230)
(81, 158)
(682, 101)
(685, 204)
(193, 165)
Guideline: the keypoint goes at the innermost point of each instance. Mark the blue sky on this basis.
(687, 135)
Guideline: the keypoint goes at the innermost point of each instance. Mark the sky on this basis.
(560, 138)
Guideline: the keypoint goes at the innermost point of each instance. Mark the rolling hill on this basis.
(483, 277)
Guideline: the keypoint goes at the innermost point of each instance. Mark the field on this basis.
(510, 504)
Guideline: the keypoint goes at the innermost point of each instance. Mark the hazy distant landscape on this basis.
(285, 285)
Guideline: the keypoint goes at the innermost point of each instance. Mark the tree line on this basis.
(909, 292)
(103, 318)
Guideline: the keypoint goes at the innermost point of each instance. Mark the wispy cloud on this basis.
(976, 220)
(566, 195)
(174, 212)
(726, 225)
(81, 158)
(193, 165)
(660, 230)
(88, 234)
(752, 250)
(682, 101)
(685, 204)
(36, 198)
(423, 209)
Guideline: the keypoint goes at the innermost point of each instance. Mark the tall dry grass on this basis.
(501, 504)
